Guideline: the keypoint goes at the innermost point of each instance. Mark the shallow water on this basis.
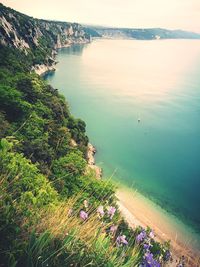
(111, 84)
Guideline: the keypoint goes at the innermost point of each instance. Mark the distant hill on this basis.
(43, 37)
(142, 34)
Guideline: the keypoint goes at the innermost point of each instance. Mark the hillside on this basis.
(38, 38)
(53, 210)
(143, 34)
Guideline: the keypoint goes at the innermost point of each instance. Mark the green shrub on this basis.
(66, 173)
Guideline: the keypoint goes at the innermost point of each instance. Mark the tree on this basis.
(66, 172)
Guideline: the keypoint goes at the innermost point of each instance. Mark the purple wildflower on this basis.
(121, 240)
(111, 211)
(149, 261)
(167, 255)
(83, 215)
(140, 237)
(100, 211)
(146, 246)
(149, 257)
(113, 229)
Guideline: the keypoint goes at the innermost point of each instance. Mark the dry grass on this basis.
(89, 234)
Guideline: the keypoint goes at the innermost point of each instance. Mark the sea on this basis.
(141, 104)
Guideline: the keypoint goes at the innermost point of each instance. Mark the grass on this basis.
(61, 239)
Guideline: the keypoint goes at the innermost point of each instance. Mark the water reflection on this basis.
(49, 75)
(76, 49)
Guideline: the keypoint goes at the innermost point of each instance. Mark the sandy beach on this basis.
(139, 210)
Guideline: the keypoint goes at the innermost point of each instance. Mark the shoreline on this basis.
(42, 69)
(90, 157)
(138, 210)
(145, 215)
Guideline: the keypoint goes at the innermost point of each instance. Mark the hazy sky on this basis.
(172, 14)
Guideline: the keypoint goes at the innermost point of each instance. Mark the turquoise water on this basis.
(112, 83)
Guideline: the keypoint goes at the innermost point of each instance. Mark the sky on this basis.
(171, 14)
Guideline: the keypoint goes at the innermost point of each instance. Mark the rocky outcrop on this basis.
(25, 32)
(91, 166)
(41, 69)
(90, 154)
(38, 38)
(91, 161)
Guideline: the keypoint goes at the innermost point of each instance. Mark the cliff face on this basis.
(25, 32)
(38, 37)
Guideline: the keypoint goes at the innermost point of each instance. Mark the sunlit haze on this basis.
(171, 14)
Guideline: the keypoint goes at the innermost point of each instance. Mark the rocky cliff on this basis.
(38, 37)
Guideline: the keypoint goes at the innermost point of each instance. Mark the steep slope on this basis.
(38, 38)
(53, 212)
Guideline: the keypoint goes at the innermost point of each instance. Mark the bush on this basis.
(66, 173)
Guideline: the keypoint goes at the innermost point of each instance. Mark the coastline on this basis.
(145, 215)
(42, 69)
(91, 166)
(138, 210)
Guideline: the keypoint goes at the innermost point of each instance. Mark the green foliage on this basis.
(77, 128)
(37, 114)
(13, 60)
(23, 191)
(66, 173)
(40, 167)
(98, 191)
(5, 126)
(34, 139)
(12, 104)
(59, 139)
(30, 88)
(37, 131)
(46, 250)
(27, 186)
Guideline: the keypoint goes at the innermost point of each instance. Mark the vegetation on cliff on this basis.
(52, 211)
(37, 38)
